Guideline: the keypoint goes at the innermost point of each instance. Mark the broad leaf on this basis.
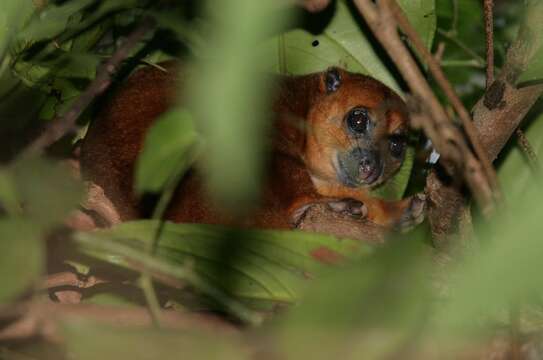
(253, 265)
(515, 173)
(367, 310)
(342, 43)
(422, 15)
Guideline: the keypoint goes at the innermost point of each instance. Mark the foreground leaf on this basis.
(369, 310)
(47, 189)
(88, 340)
(168, 151)
(21, 257)
(251, 265)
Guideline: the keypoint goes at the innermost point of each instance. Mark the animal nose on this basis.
(368, 161)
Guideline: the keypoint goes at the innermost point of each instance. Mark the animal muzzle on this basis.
(369, 166)
(359, 167)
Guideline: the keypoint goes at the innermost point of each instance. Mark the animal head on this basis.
(357, 130)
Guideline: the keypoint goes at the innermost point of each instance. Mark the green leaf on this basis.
(88, 340)
(168, 151)
(368, 310)
(342, 43)
(394, 188)
(12, 16)
(51, 21)
(47, 189)
(505, 272)
(515, 174)
(422, 15)
(21, 257)
(253, 265)
(534, 71)
(534, 37)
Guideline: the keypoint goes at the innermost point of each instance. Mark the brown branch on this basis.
(41, 319)
(67, 122)
(430, 115)
(522, 140)
(449, 91)
(321, 219)
(68, 278)
(496, 116)
(489, 31)
(527, 149)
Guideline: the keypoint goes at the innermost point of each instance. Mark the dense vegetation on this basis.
(265, 293)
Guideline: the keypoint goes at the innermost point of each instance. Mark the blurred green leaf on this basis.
(534, 71)
(369, 310)
(505, 272)
(22, 257)
(88, 340)
(47, 190)
(230, 74)
(168, 151)
(8, 193)
(257, 265)
(534, 38)
(515, 173)
(12, 17)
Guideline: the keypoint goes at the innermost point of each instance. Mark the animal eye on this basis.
(397, 145)
(357, 120)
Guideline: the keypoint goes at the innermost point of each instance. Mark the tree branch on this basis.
(496, 116)
(67, 122)
(427, 112)
(500, 111)
(447, 88)
(41, 319)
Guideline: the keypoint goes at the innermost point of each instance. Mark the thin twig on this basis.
(67, 122)
(432, 117)
(489, 31)
(449, 91)
(71, 279)
(522, 140)
(527, 149)
(496, 116)
(504, 105)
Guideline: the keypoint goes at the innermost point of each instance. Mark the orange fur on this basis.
(307, 135)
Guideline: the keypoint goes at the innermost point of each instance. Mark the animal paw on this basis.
(414, 213)
(351, 207)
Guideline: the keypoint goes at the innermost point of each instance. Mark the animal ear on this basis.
(332, 80)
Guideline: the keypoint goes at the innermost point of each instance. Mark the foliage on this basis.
(376, 303)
